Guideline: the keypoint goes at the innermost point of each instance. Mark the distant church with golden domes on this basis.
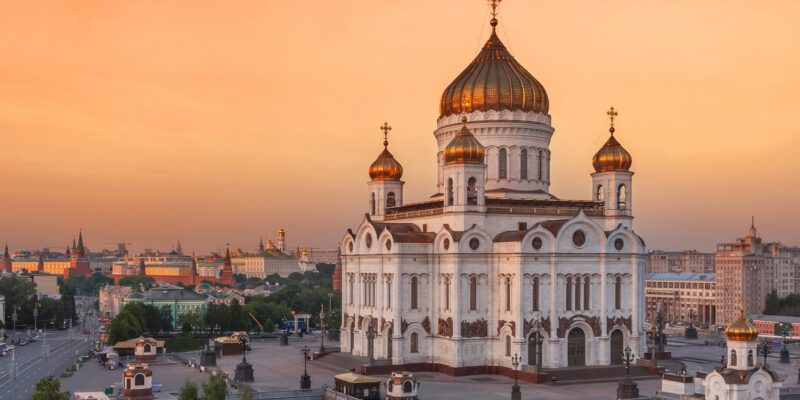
(463, 280)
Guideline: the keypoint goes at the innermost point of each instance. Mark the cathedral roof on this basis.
(738, 377)
(494, 80)
(403, 232)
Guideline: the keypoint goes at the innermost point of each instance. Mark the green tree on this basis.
(245, 392)
(166, 318)
(773, 304)
(235, 316)
(49, 389)
(188, 321)
(125, 326)
(188, 391)
(215, 388)
(18, 293)
(136, 282)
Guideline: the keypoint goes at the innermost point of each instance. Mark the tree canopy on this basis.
(49, 389)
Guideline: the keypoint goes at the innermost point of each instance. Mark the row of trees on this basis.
(20, 295)
(789, 305)
(136, 318)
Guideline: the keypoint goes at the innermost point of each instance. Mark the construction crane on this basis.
(254, 319)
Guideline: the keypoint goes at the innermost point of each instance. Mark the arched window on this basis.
(408, 387)
(586, 293)
(750, 358)
(447, 293)
(502, 164)
(390, 200)
(618, 293)
(147, 347)
(372, 204)
(535, 294)
(472, 192)
(600, 196)
(569, 293)
(449, 191)
(414, 343)
(414, 293)
(138, 380)
(388, 295)
(523, 164)
(128, 383)
(733, 358)
(473, 293)
(508, 294)
(622, 197)
(539, 167)
(577, 292)
(350, 291)
(508, 346)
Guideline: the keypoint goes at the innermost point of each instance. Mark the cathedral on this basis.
(494, 264)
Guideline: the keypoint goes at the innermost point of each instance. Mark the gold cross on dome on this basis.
(494, 4)
(386, 129)
(611, 114)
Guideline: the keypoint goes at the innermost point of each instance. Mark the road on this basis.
(52, 354)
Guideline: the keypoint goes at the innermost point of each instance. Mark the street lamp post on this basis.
(322, 331)
(764, 352)
(628, 358)
(538, 339)
(515, 393)
(14, 318)
(305, 380)
(784, 350)
(35, 314)
(627, 389)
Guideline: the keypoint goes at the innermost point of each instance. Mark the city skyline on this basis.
(150, 122)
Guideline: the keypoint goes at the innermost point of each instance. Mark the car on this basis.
(23, 343)
(86, 331)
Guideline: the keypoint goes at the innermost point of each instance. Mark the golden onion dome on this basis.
(464, 148)
(741, 330)
(612, 156)
(385, 168)
(493, 81)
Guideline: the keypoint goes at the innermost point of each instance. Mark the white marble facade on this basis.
(460, 282)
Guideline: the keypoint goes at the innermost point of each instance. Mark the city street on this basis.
(52, 354)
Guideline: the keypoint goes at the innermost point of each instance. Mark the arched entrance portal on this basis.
(616, 347)
(576, 348)
(532, 349)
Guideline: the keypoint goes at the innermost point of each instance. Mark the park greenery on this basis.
(20, 295)
(214, 389)
(49, 388)
(299, 293)
(789, 305)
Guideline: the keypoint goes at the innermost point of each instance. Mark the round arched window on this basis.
(368, 241)
(474, 243)
(350, 246)
(619, 244)
(537, 243)
(579, 238)
(388, 244)
(446, 244)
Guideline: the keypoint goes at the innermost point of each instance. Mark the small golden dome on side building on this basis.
(385, 168)
(612, 156)
(464, 148)
(742, 330)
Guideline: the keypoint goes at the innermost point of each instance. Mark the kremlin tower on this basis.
(5, 264)
(227, 270)
(40, 265)
(79, 262)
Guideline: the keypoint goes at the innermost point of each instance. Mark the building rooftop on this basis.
(774, 318)
(669, 276)
(161, 294)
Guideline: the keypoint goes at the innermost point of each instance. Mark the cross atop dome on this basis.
(386, 129)
(611, 114)
(494, 4)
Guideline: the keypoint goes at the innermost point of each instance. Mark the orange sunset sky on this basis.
(219, 121)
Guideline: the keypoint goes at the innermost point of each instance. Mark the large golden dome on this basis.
(464, 148)
(742, 330)
(385, 168)
(612, 156)
(493, 81)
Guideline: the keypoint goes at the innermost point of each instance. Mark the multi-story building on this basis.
(741, 277)
(111, 299)
(680, 294)
(782, 268)
(176, 300)
(688, 261)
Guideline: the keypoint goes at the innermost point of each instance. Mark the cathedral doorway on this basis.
(576, 348)
(389, 344)
(532, 349)
(616, 347)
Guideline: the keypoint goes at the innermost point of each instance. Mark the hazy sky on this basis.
(218, 122)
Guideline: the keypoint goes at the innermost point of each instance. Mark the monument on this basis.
(244, 370)
(691, 331)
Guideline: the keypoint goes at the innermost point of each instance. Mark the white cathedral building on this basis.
(458, 281)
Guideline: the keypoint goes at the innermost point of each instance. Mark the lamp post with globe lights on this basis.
(515, 393)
